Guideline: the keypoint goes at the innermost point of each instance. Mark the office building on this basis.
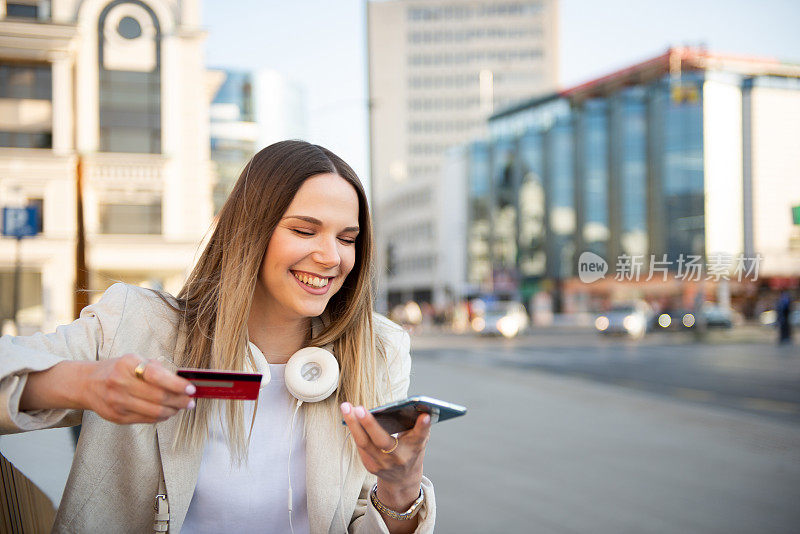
(116, 93)
(688, 154)
(437, 70)
(251, 110)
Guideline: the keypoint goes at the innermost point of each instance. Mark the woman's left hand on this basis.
(400, 471)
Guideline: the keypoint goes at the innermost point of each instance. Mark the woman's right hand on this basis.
(115, 393)
(110, 388)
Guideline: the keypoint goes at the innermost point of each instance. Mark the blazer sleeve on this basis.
(366, 518)
(90, 337)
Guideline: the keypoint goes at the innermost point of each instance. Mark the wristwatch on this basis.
(404, 516)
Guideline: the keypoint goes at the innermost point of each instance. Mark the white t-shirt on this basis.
(254, 496)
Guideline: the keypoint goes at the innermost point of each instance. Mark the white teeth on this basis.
(312, 281)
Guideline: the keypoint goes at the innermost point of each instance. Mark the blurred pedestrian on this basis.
(784, 320)
(289, 265)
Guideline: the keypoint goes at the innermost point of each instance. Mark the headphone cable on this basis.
(289, 466)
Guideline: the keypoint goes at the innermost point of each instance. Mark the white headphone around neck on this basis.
(311, 375)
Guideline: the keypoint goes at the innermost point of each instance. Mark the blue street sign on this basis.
(21, 222)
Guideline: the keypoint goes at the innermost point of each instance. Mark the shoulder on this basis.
(131, 315)
(121, 295)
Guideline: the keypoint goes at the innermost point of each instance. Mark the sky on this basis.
(321, 44)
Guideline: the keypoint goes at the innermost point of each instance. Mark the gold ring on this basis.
(396, 441)
(139, 371)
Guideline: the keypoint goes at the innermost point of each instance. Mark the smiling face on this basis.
(311, 252)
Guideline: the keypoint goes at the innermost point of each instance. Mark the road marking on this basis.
(770, 405)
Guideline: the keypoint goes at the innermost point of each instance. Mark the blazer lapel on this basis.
(180, 465)
(323, 467)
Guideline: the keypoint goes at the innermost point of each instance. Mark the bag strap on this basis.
(161, 517)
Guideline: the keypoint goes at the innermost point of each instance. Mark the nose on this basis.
(326, 252)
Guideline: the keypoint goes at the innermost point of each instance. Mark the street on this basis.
(567, 432)
(742, 369)
(553, 453)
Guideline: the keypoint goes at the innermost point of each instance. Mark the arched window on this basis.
(129, 56)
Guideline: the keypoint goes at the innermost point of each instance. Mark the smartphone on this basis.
(402, 415)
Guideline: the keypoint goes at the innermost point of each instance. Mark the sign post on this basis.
(19, 223)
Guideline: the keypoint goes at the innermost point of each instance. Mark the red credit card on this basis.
(234, 385)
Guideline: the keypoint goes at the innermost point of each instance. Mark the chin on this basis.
(310, 310)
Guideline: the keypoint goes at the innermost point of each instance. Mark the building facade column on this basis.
(63, 104)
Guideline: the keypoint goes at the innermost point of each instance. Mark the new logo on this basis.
(591, 267)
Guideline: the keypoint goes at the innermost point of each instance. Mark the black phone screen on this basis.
(401, 418)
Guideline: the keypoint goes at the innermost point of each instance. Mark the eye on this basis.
(302, 232)
(348, 240)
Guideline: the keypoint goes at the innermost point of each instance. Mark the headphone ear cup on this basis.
(312, 374)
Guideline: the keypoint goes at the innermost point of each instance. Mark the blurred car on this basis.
(506, 318)
(770, 317)
(712, 315)
(716, 316)
(630, 319)
(674, 320)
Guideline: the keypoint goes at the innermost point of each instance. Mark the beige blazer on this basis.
(115, 473)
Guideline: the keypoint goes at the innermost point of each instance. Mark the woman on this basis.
(288, 266)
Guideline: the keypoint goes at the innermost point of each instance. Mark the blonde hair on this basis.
(214, 304)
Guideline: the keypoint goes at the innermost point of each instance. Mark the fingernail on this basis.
(190, 405)
(360, 413)
(426, 419)
(190, 389)
(345, 408)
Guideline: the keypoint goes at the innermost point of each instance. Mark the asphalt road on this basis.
(743, 371)
(553, 453)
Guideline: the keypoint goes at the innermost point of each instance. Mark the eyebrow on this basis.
(312, 220)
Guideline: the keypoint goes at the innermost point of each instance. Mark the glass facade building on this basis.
(479, 230)
(628, 131)
(617, 173)
(651, 168)
(592, 151)
(678, 114)
(531, 201)
(233, 139)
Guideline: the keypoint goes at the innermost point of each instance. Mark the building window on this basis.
(130, 218)
(29, 81)
(26, 140)
(130, 112)
(682, 187)
(237, 89)
(560, 185)
(531, 206)
(593, 153)
(29, 85)
(39, 203)
(129, 40)
(630, 162)
(30, 296)
(31, 9)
